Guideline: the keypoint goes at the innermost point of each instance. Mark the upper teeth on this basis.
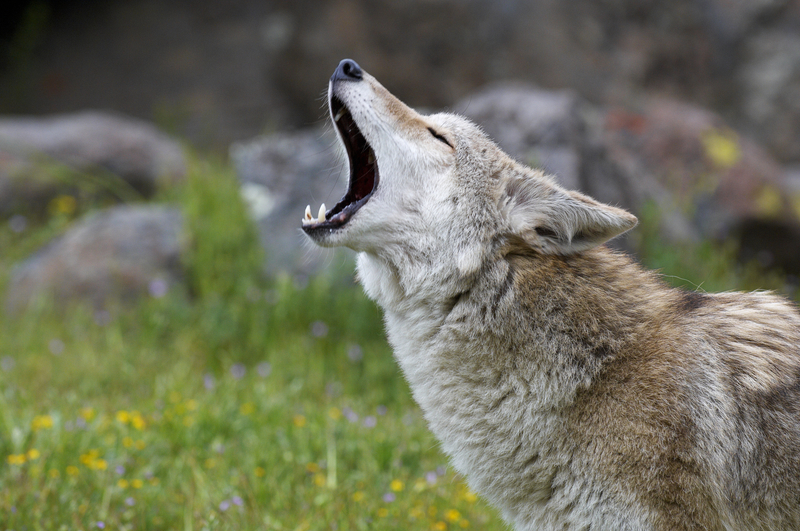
(308, 219)
(339, 115)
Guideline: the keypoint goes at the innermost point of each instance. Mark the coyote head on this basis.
(435, 190)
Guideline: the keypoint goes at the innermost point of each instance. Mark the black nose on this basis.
(348, 70)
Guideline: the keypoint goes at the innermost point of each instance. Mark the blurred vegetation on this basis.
(244, 402)
(17, 57)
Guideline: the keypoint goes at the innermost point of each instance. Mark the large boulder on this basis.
(88, 152)
(770, 96)
(561, 133)
(705, 179)
(281, 174)
(112, 256)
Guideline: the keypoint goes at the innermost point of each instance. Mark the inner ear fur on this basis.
(558, 221)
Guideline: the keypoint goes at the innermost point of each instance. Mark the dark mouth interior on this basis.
(363, 167)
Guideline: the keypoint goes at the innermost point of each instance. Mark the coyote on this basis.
(571, 387)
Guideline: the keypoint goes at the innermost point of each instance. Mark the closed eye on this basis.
(439, 137)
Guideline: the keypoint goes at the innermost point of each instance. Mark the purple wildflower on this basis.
(18, 223)
(7, 363)
(354, 353)
(157, 288)
(238, 371)
(264, 369)
(319, 329)
(349, 414)
(56, 347)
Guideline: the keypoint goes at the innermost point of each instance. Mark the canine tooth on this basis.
(371, 157)
(339, 115)
(308, 213)
(321, 215)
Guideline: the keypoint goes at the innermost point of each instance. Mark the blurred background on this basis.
(167, 334)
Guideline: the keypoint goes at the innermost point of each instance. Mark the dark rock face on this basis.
(103, 153)
(112, 256)
(222, 71)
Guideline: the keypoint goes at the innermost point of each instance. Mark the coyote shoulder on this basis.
(572, 388)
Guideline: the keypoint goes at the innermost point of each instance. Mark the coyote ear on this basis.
(558, 221)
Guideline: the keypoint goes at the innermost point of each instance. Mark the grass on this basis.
(241, 402)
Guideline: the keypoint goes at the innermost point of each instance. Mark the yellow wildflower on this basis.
(87, 413)
(54, 473)
(358, 496)
(335, 413)
(33, 454)
(16, 459)
(299, 421)
(247, 408)
(383, 512)
(63, 204)
(452, 515)
(440, 526)
(139, 444)
(72, 470)
(123, 417)
(722, 147)
(396, 485)
(137, 420)
(260, 472)
(127, 442)
(40, 422)
(137, 483)
(122, 483)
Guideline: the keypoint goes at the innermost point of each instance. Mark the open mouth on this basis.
(363, 174)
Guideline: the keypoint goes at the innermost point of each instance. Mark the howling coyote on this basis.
(572, 388)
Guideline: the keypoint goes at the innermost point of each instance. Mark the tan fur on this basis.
(574, 389)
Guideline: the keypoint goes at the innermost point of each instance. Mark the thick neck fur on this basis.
(503, 356)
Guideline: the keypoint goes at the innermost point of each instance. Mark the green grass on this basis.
(241, 402)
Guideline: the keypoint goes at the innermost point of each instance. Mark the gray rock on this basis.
(770, 81)
(42, 157)
(280, 175)
(562, 134)
(544, 128)
(704, 179)
(112, 256)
